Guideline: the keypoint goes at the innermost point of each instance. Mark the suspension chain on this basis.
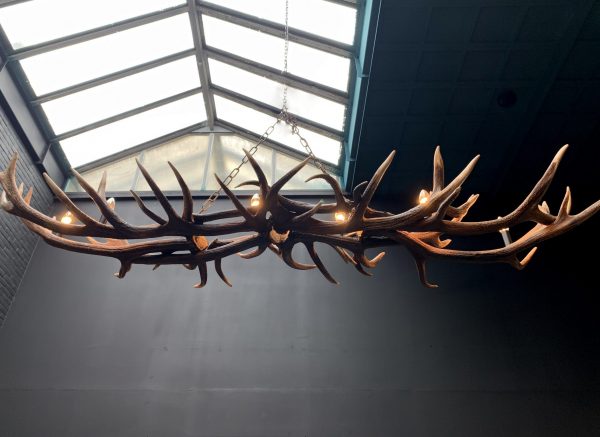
(233, 173)
(291, 121)
(286, 48)
(284, 115)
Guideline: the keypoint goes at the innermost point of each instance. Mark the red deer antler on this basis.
(279, 223)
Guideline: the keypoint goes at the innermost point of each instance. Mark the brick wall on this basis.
(16, 242)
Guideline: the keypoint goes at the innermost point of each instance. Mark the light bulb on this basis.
(340, 216)
(423, 197)
(200, 241)
(67, 219)
(255, 200)
(111, 203)
(505, 232)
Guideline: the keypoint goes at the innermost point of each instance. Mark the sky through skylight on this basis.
(113, 75)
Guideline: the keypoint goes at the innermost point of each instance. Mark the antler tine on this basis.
(254, 253)
(146, 210)
(278, 185)
(236, 202)
(358, 191)
(12, 202)
(203, 275)
(422, 269)
(308, 214)
(459, 212)
(418, 213)
(188, 202)
(438, 171)
(130, 251)
(526, 211)
(78, 213)
(5, 204)
(262, 179)
(358, 266)
(370, 263)
(310, 247)
(300, 207)
(102, 205)
(286, 255)
(506, 254)
(102, 185)
(335, 186)
(565, 206)
(370, 189)
(253, 183)
(443, 208)
(344, 255)
(162, 199)
(219, 270)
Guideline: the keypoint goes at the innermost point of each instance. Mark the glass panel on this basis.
(314, 16)
(324, 148)
(304, 61)
(37, 21)
(188, 154)
(90, 59)
(119, 176)
(131, 131)
(93, 104)
(268, 91)
(284, 163)
(226, 155)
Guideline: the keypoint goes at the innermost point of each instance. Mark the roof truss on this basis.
(203, 53)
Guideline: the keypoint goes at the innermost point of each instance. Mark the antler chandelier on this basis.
(273, 221)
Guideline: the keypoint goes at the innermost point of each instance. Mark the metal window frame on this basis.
(275, 29)
(195, 10)
(97, 32)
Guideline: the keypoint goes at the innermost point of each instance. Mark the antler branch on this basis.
(280, 223)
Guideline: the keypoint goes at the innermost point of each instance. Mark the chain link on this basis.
(233, 173)
(291, 121)
(284, 115)
(286, 47)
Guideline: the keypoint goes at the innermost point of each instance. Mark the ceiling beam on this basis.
(276, 75)
(122, 115)
(275, 29)
(140, 147)
(96, 33)
(286, 150)
(349, 3)
(112, 76)
(272, 111)
(202, 62)
(6, 3)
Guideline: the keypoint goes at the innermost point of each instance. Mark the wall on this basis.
(16, 243)
(493, 352)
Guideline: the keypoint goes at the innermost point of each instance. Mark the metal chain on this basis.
(284, 115)
(291, 121)
(286, 48)
(233, 173)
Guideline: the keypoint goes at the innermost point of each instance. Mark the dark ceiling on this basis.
(448, 73)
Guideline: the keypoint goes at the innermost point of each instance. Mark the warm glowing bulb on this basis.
(423, 197)
(340, 216)
(67, 219)
(111, 203)
(255, 200)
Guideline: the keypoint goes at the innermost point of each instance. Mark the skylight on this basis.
(107, 79)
